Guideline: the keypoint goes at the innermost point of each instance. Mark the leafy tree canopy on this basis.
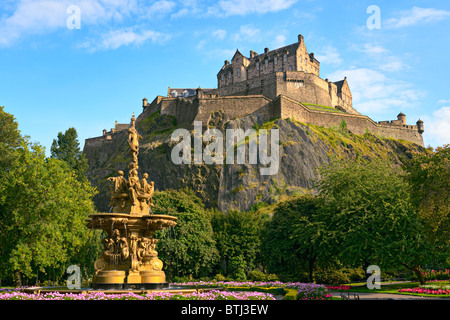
(66, 147)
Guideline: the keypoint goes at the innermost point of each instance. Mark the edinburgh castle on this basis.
(281, 83)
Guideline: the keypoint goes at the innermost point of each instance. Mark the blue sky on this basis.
(53, 77)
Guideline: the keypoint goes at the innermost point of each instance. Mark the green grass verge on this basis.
(393, 289)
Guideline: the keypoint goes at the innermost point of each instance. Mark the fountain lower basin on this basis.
(129, 260)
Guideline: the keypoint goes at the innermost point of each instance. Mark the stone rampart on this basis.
(358, 124)
(200, 108)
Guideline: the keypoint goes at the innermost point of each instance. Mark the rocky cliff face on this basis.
(302, 149)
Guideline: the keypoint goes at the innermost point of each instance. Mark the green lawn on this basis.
(393, 288)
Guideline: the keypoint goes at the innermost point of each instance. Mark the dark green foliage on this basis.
(67, 148)
(292, 239)
(10, 140)
(188, 249)
(43, 208)
(238, 235)
(43, 212)
(429, 178)
(369, 216)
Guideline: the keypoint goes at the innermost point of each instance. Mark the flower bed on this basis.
(339, 288)
(425, 291)
(211, 295)
(310, 291)
(436, 275)
(237, 290)
(250, 284)
(305, 291)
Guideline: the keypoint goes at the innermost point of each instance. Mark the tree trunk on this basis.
(17, 279)
(418, 271)
(311, 268)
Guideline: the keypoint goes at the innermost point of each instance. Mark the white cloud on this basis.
(437, 128)
(376, 94)
(159, 8)
(244, 7)
(247, 33)
(444, 101)
(31, 17)
(218, 54)
(118, 38)
(416, 16)
(219, 34)
(329, 55)
(280, 41)
(189, 8)
(381, 57)
(372, 49)
(393, 64)
(201, 44)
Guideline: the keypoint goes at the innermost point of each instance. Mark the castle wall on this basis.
(235, 106)
(301, 86)
(265, 85)
(358, 124)
(184, 109)
(187, 110)
(304, 87)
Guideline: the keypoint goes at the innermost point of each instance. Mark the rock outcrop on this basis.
(303, 148)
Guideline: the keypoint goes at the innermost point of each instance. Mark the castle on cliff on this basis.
(280, 83)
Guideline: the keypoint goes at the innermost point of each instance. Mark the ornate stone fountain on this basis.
(130, 260)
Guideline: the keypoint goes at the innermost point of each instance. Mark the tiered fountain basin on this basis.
(129, 260)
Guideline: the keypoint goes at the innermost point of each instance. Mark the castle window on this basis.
(306, 62)
(275, 59)
(229, 75)
(290, 68)
(285, 57)
(267, 63)
(257, 66)
(223, 77)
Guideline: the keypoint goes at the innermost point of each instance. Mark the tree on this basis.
(369, 217)
(43, 215)
(238, 238)
(67, 148)
(10, 140)
(429, 177)
(293, 238)
(189, 248)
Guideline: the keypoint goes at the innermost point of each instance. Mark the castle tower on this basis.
(420, 127)
(401, 118)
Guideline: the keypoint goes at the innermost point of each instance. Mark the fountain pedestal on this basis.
(129, 260)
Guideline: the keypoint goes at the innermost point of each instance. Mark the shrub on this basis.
(257, 275)
(332, 277)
